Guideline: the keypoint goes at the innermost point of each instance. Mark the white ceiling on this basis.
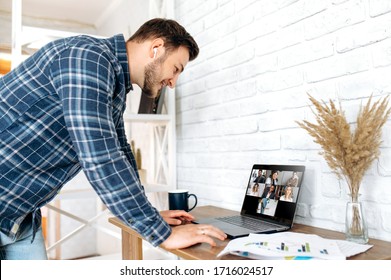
(48, 20)
(86, 12)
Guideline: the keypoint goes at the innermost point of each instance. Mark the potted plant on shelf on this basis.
(349, 153)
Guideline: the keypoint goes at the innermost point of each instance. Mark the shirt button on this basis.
(153, 237)
(130, 221)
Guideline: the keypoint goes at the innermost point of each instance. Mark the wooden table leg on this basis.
(132, 247)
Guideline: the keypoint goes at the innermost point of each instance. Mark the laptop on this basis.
(269, 203)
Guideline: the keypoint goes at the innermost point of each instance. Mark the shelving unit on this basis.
(56, 239)
(161, 134)
(145, 118)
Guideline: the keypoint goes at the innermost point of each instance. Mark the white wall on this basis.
(238, 102)
(124, 17)
(5, 30)
(6, 27)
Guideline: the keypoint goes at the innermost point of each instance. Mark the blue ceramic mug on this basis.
(179, 200)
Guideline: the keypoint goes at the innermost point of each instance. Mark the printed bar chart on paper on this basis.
(286, 245)
(291, 246)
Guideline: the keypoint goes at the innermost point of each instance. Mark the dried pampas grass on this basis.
(348, 154)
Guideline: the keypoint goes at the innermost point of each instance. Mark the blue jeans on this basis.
(21, 248)
(264, 202)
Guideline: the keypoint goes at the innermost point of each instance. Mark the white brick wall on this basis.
(238, 102)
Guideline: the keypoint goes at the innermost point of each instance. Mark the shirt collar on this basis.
(121, 54)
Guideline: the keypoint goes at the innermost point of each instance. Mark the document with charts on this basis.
(291, 245)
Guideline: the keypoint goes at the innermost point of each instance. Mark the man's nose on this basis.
(172, 82)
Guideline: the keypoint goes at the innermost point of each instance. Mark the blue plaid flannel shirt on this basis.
(62, 111)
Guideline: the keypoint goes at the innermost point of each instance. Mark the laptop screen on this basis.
(272, 192)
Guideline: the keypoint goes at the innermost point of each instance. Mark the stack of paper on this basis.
(291, 245)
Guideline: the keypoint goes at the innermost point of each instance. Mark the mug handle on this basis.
(195, 203)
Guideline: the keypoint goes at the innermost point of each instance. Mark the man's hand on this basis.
(188, 235)
(176, 217)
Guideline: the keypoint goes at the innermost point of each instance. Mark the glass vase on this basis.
(355, 226)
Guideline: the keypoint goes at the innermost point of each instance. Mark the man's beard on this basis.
(151, 77)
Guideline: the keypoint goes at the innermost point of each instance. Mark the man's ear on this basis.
(157, 46)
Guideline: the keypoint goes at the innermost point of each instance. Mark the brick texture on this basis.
(238, 102)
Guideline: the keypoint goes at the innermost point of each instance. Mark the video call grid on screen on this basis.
(279, 203)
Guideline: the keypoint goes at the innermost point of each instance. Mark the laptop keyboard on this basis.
(248, 223)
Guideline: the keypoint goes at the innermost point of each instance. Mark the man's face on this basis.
(164, 71)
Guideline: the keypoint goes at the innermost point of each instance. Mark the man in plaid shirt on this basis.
(62, 111)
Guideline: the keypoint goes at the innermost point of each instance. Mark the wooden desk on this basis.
(132, 241)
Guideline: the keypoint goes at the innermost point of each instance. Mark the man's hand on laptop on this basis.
(176, 217)
(190, 234)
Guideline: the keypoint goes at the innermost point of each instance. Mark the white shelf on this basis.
(157, 187)
(164, 118)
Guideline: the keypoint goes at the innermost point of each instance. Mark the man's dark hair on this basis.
(173, 34)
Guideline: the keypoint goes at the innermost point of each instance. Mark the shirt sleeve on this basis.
(84, 79)
(268, 181)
